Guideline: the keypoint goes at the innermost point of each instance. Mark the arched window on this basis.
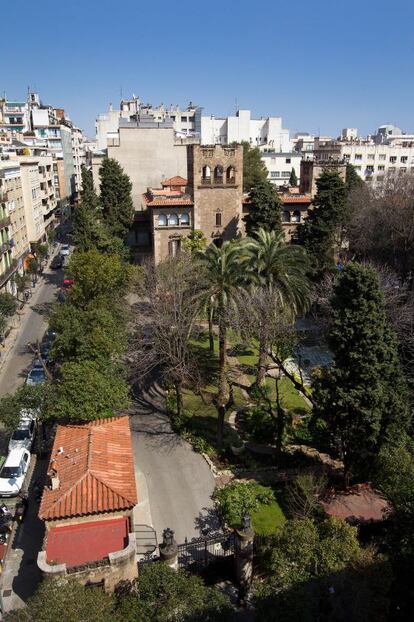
(296, 216)
(185, 219)
(286, 216)
(162, 220)
(218, 175)
(230, 175)
(206, 176)
(173, 220)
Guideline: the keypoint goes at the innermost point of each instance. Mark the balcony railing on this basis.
(4, 222)
(206, 181)
(7, 274)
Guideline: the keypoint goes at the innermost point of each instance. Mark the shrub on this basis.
(259, 424)
(240, 497)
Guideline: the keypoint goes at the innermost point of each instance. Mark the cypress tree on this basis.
(265, 209)
(116, 198)
(324, 224)
(362, 399)
(293, 180)
(254, 169)
(86, 225)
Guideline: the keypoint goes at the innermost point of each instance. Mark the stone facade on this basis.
(215, 175)
(167, 238)
(310, 171)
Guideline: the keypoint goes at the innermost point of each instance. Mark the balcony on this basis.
(4, 222)
(7, 274)
(206, 181)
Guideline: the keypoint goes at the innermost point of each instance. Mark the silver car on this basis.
(23, 436)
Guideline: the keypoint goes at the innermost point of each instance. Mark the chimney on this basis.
(54, 479)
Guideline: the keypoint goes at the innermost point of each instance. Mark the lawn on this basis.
(267, 519)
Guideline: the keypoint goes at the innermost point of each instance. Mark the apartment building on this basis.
(47, 190)
(280, 165)
(186, 122)
(264, 133)
(388, 151)
(32, 199)
(13, 115)
(11, 193)
(7, 261)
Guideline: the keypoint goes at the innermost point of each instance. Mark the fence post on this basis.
(169, 549)
(243, 555)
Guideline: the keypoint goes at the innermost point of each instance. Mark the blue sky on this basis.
(320, 64)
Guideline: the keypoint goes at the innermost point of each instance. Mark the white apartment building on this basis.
(32, 198)
(79, 158)
(263, 133)
(186, 122)
(280, 166)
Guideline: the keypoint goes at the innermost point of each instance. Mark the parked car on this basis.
(23, 436)
(57, 262)
(36, 376)
(37, 364)
(13, 472)
(45, 353)
(65, 250)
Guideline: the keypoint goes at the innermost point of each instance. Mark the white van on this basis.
(13, 472)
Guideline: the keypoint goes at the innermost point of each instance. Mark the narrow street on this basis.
(20, 573)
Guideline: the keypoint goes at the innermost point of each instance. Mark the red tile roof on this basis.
(162, 200)
(175, 181)
(79, 544)
(286, 198)
(95, 470)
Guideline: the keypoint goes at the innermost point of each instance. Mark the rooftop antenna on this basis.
(235, 101)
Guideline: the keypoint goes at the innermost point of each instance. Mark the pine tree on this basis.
(323, 227)
(265, 209)
(116, 198)
(293, 180)
(362, 399)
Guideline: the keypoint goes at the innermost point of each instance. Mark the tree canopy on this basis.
(264, 209)
(254, 169)
(115, 197)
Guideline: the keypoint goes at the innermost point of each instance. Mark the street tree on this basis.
(293, 180)
(88, 231)
(115, 197)
(264, 209)
(323, 231)
(353, 181)
(225, 270)
(254, 169)
(26, 397)
(362, 398)
(21, 281)
(88, 390)
(8, 304)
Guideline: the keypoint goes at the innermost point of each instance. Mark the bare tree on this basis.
(382, 224)
(304, 494)
(168, 306)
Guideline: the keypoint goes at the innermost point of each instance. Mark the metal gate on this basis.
(198, 554)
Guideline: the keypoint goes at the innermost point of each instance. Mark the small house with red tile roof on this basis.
(88, 504)
(175, 183)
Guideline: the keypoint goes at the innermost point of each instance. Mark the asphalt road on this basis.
(179, 481)
(33, 326)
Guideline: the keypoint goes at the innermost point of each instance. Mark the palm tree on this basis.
(280, 269)
(226, 270)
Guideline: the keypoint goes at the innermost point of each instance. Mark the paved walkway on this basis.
(179, 481)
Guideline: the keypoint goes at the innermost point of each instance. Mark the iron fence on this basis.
(199, 553)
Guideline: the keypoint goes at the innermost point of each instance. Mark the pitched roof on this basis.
(95, 468)
(175, 181)
(168, 199)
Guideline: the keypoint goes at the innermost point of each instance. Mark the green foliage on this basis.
(88, 390)
(194, 242)
(33, 266)
(3, 326)
(100, 279)
(321, 232)
(115, 197)
(362, 399)
(293, 180)
(264, 210)
(41, 251)
(87, 334)
(27, 397)
(21, 281)
(67, 601)
(8, 304)
(164, 595)
(303, 495)
(254, 169)
(259, 424)
(239, 497)
(352, 180)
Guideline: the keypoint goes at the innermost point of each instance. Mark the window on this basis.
(162, 220)
(393, 159)
(218, 175)
(403, 169)
(184, 119)
(404, 159)
(174, 247)
(285, 174)
(381, 168)
(173, 220)
(206, 178)
(185, 219)
(370, 168)
(358, 156)
(382, 156)
(218, 219)
(392, 169)
(286, 216)
(288, 160)
(275, 174)
(296, 216)
(230, 175)
(371, 156)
